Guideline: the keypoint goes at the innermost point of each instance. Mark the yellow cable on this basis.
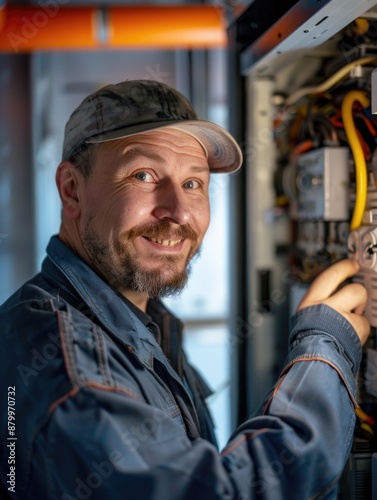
(358, 155)
(362, 25)
(335, 78)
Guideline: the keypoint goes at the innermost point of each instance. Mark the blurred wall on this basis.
(17, 235)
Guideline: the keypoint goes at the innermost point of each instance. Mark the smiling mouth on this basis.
(164, 243)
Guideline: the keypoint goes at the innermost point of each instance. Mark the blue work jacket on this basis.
(101, 414)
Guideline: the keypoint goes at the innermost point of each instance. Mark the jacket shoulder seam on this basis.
(90, 385)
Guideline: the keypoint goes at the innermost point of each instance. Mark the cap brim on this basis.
(224, 154)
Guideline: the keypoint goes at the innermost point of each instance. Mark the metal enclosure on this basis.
(276, 50)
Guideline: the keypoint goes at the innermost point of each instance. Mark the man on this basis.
(106, 405)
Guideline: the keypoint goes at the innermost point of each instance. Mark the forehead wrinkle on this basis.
(173, 139)
(135, 151)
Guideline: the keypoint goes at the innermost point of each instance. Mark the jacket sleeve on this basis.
(106, 445)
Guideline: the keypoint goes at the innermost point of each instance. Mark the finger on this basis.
(361, 326)
(328, 281)
(349, 298)
(360, 309)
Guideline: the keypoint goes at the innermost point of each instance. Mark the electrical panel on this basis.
(311, 131)
(325, 134)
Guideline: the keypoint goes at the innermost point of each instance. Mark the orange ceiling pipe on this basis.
(52, 26)
(2, 17)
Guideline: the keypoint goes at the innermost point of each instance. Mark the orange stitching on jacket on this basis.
(354, 402)
(64, 347)
(93, 385)
(61, 400)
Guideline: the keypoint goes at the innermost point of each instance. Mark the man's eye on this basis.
(143, 176)
(191, 184)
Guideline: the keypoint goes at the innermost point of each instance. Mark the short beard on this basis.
(123, 272)
(152, 283)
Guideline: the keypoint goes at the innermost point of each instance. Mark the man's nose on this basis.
(172, 203)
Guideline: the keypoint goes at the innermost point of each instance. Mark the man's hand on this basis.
(349, 301)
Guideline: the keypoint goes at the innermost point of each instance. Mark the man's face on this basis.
(145, 211)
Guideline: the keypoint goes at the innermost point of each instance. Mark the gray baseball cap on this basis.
(139, 106)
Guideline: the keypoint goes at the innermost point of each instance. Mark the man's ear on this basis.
(68, 180)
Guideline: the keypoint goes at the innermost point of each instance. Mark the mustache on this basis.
(163, 230)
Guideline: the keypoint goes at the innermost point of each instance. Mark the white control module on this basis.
(322, 182)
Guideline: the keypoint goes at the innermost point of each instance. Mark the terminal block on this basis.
(362, 246)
